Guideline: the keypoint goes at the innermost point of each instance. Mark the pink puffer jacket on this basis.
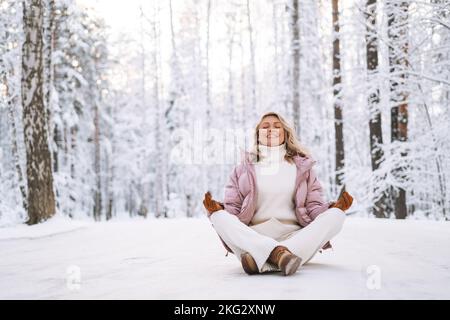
(241, 192)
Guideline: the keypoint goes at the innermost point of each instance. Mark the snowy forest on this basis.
(98, 122)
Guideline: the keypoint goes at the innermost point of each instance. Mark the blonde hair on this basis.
(293, 146)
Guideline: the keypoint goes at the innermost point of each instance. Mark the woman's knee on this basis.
(221, 216)
(335, 217)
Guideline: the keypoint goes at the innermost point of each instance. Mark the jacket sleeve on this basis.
(232, 201)
(315, 203)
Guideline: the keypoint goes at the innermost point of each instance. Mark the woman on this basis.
(273, 217)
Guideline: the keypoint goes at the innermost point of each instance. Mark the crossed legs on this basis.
(304, 243)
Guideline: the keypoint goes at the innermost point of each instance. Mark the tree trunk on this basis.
(98, 180)
(205, 172)
(243, 96)
(41, 198)
(398, 50)
(161, 169)
(12, 104)
(296, 65)
(338, 122)
(49, 48)
(144, 186)
(110, 178)
(375, 131)
(252, 62)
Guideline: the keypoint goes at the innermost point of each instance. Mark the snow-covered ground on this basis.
(184, 259)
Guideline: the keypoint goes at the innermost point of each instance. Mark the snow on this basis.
(184, 259)
(54, 226)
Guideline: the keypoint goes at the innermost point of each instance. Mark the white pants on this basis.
(259, 240)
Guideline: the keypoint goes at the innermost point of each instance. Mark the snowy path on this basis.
(183, 259)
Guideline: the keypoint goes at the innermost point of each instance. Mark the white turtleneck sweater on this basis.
(275, 180)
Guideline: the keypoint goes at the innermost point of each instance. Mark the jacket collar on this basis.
(303, 163)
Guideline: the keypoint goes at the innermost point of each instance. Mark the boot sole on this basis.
(291, 266)
(248, 264)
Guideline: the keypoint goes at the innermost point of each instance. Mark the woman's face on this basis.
(271, 132)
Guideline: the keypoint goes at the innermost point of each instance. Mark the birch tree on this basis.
(41, 198)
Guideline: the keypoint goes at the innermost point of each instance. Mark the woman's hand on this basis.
(211, 205)
(344, 202)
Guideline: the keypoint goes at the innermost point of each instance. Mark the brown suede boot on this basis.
(249, 264)
(285, 260)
